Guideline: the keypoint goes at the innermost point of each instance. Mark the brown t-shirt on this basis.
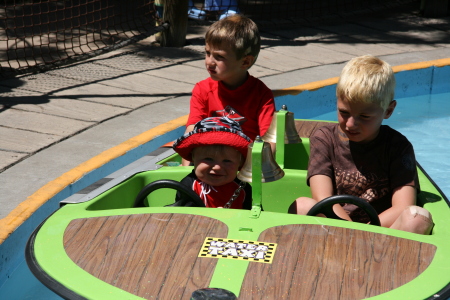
(370, 171)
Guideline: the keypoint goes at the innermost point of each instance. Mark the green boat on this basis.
(102, 244)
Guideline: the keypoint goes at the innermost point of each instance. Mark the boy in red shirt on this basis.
(232, 46)
(360, 157)
(218, 148)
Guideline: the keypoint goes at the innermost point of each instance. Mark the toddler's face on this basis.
(361, 121)
(222, 65)
(214, 167)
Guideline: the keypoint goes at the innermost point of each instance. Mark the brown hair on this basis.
(238, 31)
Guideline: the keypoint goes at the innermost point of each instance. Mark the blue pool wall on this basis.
(310, 104)
(305, 105)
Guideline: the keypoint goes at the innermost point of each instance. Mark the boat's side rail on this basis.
(146, 163)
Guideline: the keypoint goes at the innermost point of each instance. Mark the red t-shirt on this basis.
(252, 104)
(370, 171)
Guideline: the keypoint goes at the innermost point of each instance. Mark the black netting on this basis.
(37, 33)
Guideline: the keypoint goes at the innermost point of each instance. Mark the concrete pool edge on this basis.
(70, 182)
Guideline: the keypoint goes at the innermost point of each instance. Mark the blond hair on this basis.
(367, 79)
(238, 31)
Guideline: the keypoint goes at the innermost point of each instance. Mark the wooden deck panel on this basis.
(381, 271)
(306, 128)
(153, 256)
(324, 262)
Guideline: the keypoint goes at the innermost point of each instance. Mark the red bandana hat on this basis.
(213, 131)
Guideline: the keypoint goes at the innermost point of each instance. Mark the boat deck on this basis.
(149, 255)
(155, 256)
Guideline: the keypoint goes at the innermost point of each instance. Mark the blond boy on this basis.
(361, 157)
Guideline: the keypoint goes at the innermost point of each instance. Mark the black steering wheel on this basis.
(326, 207)
(167, 183)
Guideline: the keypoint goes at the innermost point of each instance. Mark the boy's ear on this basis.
(390, 109)
(248, 61)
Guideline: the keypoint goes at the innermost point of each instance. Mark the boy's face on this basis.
(214, 167)
(222, 65)
(361, 121)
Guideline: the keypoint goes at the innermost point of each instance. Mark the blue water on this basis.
(425, 121)
(22, 285)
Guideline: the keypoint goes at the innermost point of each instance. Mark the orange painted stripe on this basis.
(25, 209)
(422, 65)
(311, 86)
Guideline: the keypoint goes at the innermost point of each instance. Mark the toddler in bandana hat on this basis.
(218, 148)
